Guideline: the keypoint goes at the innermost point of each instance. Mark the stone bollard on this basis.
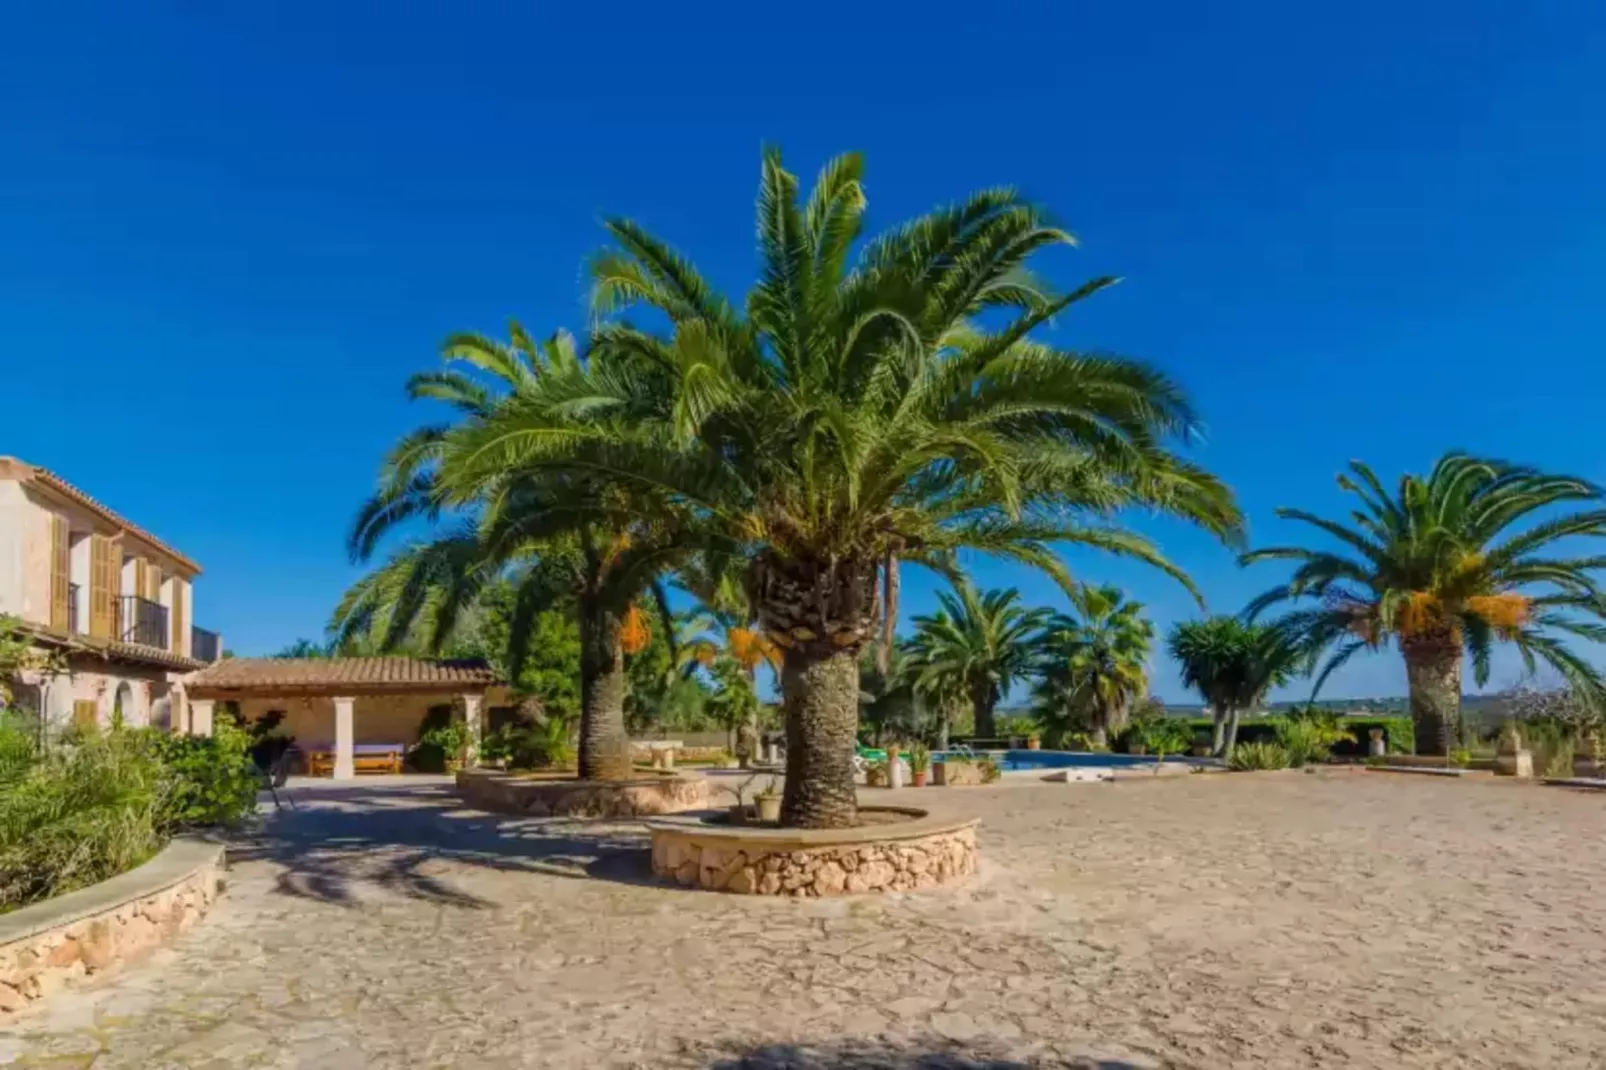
(1511, 759)
(1378, 748)
(669, 759)
(894, 769)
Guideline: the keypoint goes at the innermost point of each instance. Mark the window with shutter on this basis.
(85, 714)
(100, 597)
(59, 617)
(176, 614)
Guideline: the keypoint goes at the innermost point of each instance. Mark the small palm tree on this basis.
(1232, 665)
(1448, 565)
(1095, 658)
(572, 538)
(977, 644)
(870, 401)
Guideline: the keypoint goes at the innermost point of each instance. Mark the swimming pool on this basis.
(1012, 760)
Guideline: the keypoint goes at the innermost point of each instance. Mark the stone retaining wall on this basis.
(509, 793)
(73, 937)
(888, 858)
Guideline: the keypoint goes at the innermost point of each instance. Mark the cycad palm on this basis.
(978, 644)
(855, 410)
(1097, 658)
(1447, 564)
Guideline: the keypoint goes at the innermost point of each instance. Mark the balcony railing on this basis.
(139, 620)
(72, 610)
(204, 645)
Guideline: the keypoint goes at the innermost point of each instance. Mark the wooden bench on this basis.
(365, 758)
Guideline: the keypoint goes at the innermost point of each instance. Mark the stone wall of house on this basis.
(758, 869)
(35, 966)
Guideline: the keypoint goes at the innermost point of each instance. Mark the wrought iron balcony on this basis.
(141, 621)
(204, 645)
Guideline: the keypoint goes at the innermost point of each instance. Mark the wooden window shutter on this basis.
(85, 714)
(141, 577)
(114, 587)
(59, 574)
(100, 599)
(176, 615)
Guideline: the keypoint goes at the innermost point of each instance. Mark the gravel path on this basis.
(1280, 920)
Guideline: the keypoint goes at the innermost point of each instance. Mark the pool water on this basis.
(1058, 759)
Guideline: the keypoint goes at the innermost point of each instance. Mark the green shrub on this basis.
(1398, 733)
(544, 745)
(79, 815)
(102, 803)
(1461, 757)
(1559, 759)
(1311, 738)
(989, 770)
(1258, 756)
(212, 779)
(427, 756)
(1159, 736)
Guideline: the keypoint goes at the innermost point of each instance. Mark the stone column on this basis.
(345, 768)
(201, 717)
(474, 714)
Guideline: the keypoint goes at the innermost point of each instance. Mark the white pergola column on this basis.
(201, 716)
(474, 714)
(345, 768)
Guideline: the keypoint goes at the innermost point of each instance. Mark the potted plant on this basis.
(876, 775)
(769, 804)
(496, 749)
(738, 811)
(452, 739)
(919, 764)
(1034, 741)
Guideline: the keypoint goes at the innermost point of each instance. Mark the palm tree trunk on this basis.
(821, 695)
(604, 741)
(982, 701)
(1230, 736)
(1433, 672)
(1218, 732)
(889, 614)
(942, 731)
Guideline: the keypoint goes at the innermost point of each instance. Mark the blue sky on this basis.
(1363, 231)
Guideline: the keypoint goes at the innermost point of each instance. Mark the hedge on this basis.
(1397, 733)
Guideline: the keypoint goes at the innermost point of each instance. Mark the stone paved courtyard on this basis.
(1282, 920)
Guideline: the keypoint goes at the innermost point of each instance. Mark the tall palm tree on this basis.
(977, 643)
(860, 405)
(1449, 564)
(571, 537)
(1233, 665)
(1097, 657)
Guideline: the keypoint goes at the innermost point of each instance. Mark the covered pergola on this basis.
(343, 705)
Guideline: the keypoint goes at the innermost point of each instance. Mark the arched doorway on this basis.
(123, 711)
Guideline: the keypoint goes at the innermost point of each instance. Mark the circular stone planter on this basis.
(898, 856)
(554, 796)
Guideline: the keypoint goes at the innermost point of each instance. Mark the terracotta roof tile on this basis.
(389, 674)
(12, 468)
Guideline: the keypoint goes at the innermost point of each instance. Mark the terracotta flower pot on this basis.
(919, 778)
(769, 809)
(1033, 743)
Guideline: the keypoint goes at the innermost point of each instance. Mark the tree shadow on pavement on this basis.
(932, 1054)
(333, 845)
